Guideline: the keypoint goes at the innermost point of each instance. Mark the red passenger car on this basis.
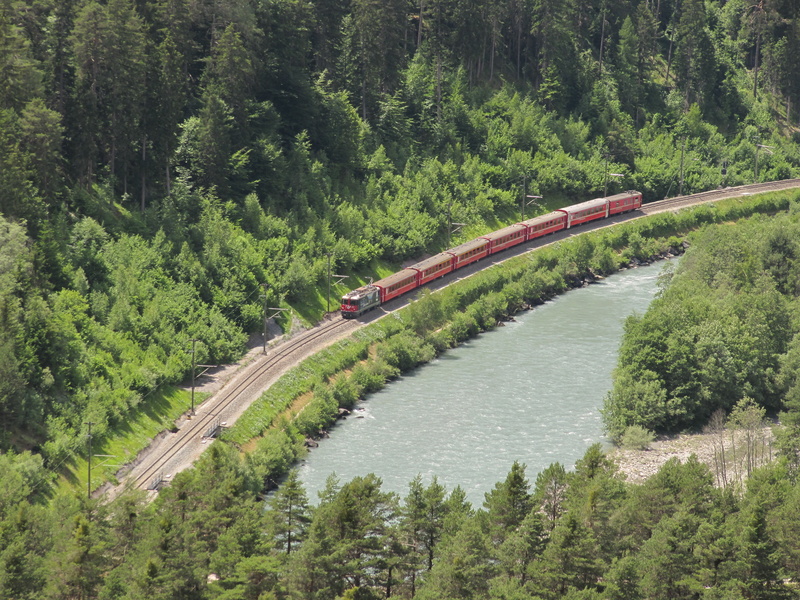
(585, 211)
(469, 252)
(506, 237)
(546, 224)
(433, 267)
(396, 284)
(624, 202)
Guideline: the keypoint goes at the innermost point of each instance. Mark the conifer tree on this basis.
(289, 515)
(508, 503)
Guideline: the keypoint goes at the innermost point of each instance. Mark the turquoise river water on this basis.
(529, 391)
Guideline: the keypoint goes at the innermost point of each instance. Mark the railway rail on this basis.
(679, 202)
(155, 468)
(152, 472)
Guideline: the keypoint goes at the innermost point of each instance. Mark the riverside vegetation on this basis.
(162, 160)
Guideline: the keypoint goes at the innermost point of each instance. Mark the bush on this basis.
(273, 456)
(367, 378)
(462, 327)
(637, 437)
(345, 391)
(405, 351)
(604, 261)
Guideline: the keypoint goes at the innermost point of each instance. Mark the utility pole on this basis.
(89, 456)
(524, 195)
(452, 227)
(328, 254)
(526, 202)
(264, 349)
(194, 366)
(269, 315)
(680, 185)
(755, 167)
(607, 175)
(449, 224)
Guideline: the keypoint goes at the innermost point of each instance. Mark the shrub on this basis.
(345, 391)
(637, 437)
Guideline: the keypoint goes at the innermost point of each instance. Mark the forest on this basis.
(168, 167)
(723, 330)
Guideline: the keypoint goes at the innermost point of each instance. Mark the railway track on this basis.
(679, 202)
(150, 472)
(209, 415)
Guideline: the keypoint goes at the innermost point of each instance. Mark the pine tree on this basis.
(550, 493)
(758, 559)
(508, 503)
(20, 73)
(289, 515)
(349, 542)
(42, 138)
(571, 558)
(464, 567)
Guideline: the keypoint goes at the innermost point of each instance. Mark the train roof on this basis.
(468, 246)
(395, 278)
(622, 195)
(494, 235)
(556, 214)
(583, 205)
(432, 261)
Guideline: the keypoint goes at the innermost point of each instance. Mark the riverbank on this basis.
(639, 465)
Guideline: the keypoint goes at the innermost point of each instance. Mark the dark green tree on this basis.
(18, 194)
(693, 51)
(374, 36)
(571, 558)
(523, 548)
(759, 565)
(289, 515)
(169, 102)
(508, 503)
(20, 73)
(109, 49)
(348, 542)
(42, 137)
(229, 75)
(463, 569)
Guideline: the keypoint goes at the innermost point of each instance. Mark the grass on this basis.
(122, 444)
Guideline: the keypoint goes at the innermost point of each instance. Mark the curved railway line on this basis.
(174, 452)
(152, 470)
(714, 195)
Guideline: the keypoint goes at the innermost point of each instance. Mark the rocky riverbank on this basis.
(638, 465)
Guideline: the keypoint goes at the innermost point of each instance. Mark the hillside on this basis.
(167, 168)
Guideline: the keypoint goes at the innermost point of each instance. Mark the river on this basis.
(528, 391)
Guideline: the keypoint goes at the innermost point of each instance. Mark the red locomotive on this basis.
(367, 297)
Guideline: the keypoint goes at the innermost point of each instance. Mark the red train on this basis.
(366, 298)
